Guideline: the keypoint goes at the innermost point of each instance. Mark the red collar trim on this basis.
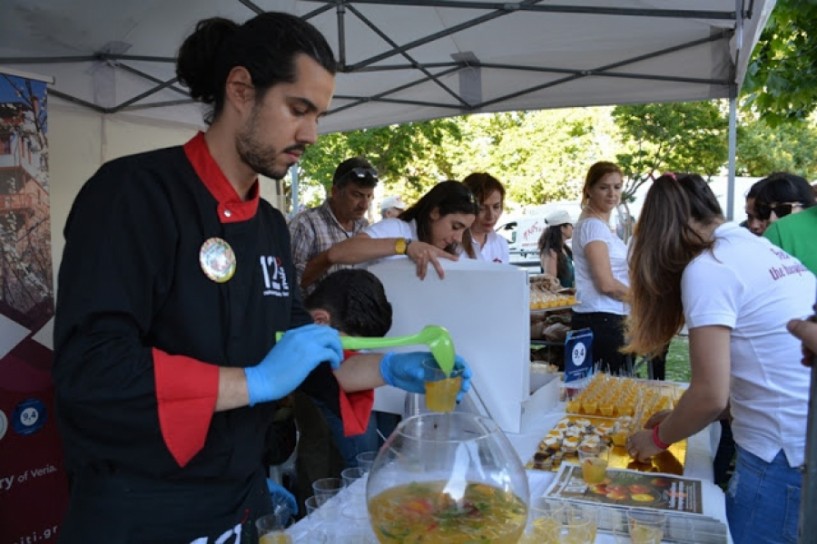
(231, 209)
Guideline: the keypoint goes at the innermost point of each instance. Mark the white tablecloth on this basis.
(349, 507)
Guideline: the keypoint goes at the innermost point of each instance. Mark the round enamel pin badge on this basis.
(217, 260)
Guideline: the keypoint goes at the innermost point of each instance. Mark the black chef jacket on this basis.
(140, 332)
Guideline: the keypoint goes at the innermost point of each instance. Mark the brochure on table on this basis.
(680, 498)
(485, 307)
(632, 489)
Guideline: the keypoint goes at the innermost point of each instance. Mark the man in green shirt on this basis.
(796, 234)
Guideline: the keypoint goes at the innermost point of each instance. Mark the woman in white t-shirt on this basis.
(481, 241)
(430, 230)
(600, 261)
(735, 292)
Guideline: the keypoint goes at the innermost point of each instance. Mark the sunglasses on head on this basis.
(473, 198)
(361, 172)
(764, 211)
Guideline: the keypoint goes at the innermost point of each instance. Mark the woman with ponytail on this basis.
(735, 292)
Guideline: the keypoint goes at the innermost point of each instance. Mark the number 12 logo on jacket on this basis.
(275, 277)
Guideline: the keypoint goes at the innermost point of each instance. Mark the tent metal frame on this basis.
(346, 8)
(437, 71)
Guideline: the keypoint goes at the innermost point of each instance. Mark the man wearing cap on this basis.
(341, 216)
(392, 206)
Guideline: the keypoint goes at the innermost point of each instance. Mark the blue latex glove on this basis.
(281, 497)
(405, 371)
(290, 361)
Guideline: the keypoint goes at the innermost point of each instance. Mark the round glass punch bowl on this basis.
(447, 478)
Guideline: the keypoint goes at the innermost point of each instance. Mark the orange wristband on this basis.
(657, 441)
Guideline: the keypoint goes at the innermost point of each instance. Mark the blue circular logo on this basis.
(29, 417)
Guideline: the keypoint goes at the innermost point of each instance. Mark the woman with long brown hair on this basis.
(600, 260)
(735, 292)
(429, 230)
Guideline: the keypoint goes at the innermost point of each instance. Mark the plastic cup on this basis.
(355, 480)
(581, 525)
(590, 406)
(351, 475)
(441, 389)
(646, 526)
(271, 530)
(545, 521)
(311, 504)
(594, 463)
(365, 459)
(620, 437)
(326, 488)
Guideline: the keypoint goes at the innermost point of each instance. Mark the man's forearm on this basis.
(315, 268)
(232, 389)
(360, 372)
(695, 410)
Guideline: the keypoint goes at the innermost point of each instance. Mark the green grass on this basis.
(678, 359)
(677, 368)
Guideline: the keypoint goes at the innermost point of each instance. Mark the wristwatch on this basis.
(401, 246)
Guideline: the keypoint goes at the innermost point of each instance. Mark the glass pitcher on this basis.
(447, 478)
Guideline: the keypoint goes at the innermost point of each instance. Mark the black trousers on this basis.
(608, 339)
(111, 506)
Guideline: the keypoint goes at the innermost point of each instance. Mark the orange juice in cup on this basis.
(620, 436)
(607, 408)
(270, 529)
(646, 526)
(441, 388)
(277, 537)
(590, 406)
(594, 463)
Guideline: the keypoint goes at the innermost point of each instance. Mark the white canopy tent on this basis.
(404, 60)
(408, 60)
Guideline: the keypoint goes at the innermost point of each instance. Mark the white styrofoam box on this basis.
(540, 374)
(485, 307)
(541, 401)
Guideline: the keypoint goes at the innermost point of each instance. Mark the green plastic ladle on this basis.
(437, 339)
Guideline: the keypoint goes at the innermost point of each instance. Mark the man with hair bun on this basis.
(175, 277)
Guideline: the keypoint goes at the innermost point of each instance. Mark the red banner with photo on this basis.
(33, 485)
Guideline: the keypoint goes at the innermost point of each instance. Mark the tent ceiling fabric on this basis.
(403, 60)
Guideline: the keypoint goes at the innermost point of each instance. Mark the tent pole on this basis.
(295, 189)
(733, 112)
(808, 499)
(733, 138)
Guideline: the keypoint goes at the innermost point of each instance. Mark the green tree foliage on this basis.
(790, 146)
(678, 137)
(781, 80)
(407, 152)
(539, 156)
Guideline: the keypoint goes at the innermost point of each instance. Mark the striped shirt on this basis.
(315, 230)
